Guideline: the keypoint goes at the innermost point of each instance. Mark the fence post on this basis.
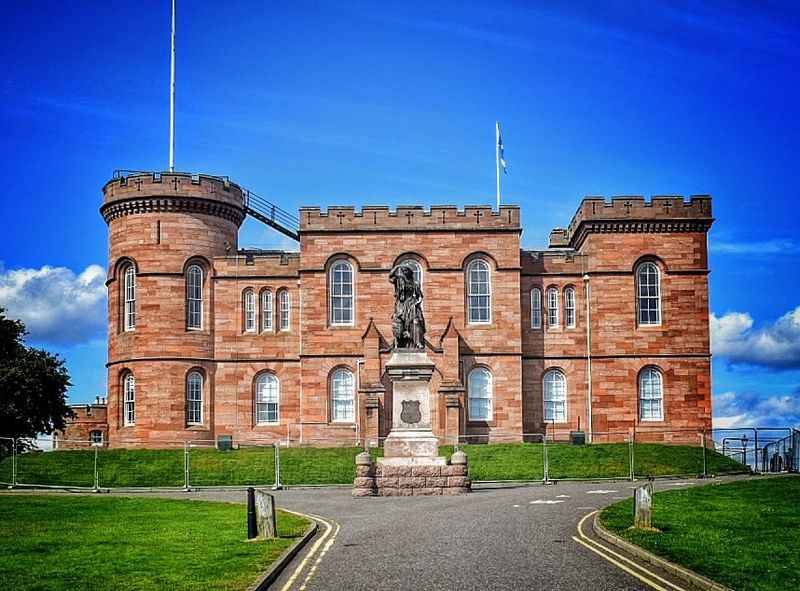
(13, 462)
(186, 483)
(96, 473)
(703, 445)
(631, 460)
(277, 485)
(545, 459)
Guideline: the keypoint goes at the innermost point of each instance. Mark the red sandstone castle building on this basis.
(606, 330)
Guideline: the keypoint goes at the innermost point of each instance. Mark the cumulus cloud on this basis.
(775, 345)
(56, 305)
(762, 248)
(748, 409)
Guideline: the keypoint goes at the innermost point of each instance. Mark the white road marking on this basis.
(600, 492)
(515, 505)
(563, 497)
(545, 502)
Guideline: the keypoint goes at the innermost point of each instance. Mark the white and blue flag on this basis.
(500, 156)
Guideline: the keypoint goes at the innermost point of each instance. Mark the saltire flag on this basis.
(500, 154)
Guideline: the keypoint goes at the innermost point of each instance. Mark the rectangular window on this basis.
(266, 310)
(552, 307)
(569, 307)
(249, 311)
(267, 400)
(479, 293)
(129, 311)
(536, 309)
(194, 400)
(284, 310)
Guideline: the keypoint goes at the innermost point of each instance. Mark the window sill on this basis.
(196, 427)
(277, 424)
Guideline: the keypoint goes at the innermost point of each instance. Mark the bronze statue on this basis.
(408, 323)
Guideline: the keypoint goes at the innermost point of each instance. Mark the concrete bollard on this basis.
(643, 506)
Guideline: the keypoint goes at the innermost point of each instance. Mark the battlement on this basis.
(409, 218)
(661, 213)
(172, 191)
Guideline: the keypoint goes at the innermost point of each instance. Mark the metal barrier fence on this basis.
(318, 461)
(762, 449)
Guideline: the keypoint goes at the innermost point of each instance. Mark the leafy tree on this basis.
(33, 386)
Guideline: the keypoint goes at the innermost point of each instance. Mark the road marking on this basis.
(313, 569)
(605, 551)
(545, 502)
(600, 491)
(328, 529)
(563, 497)
(515, 505)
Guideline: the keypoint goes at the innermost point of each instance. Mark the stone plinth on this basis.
(406, 477)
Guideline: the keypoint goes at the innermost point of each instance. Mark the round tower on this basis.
(164, 232)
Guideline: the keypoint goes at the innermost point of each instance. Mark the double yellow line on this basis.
(322, 545)
(634, 569)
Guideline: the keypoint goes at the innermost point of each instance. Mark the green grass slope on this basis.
(51, 543)
(307, 465)
(743, 535)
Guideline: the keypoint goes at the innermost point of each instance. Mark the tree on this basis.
(33, 386)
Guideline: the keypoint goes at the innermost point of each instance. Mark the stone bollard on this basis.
(364, 483)
(265, 514)
(458, 481)
(643, 506)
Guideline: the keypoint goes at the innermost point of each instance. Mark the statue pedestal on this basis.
(411, 465)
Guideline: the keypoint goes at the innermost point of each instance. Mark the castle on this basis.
(606, 330)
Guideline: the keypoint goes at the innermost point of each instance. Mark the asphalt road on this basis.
(510, 538)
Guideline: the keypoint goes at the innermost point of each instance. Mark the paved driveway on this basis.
(512, 538)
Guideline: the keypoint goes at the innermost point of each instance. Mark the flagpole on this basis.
(497, 159)
(172, 94)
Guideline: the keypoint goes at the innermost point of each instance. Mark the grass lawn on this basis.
(743, 535)
(136, 544)
(307, 465)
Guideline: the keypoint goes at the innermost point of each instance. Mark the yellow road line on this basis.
(313, 569)
(314, 548)
(607, 552)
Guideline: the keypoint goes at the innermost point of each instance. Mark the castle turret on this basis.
(164, 231)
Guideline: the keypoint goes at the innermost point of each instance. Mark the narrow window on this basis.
(569, 307)
(129, 400)
(267, 399)
(555, 396)
(651, 395)
(536, 308)
(194, 398)
(649, 290)
(194, 298)
(552, 307)
(129, 293)
(479, 392)
(96, 438)
(249, 311)
(479, 292)
(341, 286)
(284, 302)
(266, 310)
(342, 396)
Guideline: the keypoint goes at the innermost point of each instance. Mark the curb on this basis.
(274, 571)
(678, 571)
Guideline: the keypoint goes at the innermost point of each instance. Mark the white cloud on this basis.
(775, 345)
(56, 305)
(765, 248)
(747, 409)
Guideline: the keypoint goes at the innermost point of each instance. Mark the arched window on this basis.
(552, 307)
(648, 279)
(129, 297)
(129, 400)
(555, 396)
(267, 399)
(651, 395)
(194, 398)
(96, 437)
(536, 308)
(194, 297)
(569, 307)
(249, 311)
(479, 394)
(284, 303)
(479, 292)
(341, 293)
(266, 310)
(342, 396)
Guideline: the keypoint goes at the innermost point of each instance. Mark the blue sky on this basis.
(348, 103)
